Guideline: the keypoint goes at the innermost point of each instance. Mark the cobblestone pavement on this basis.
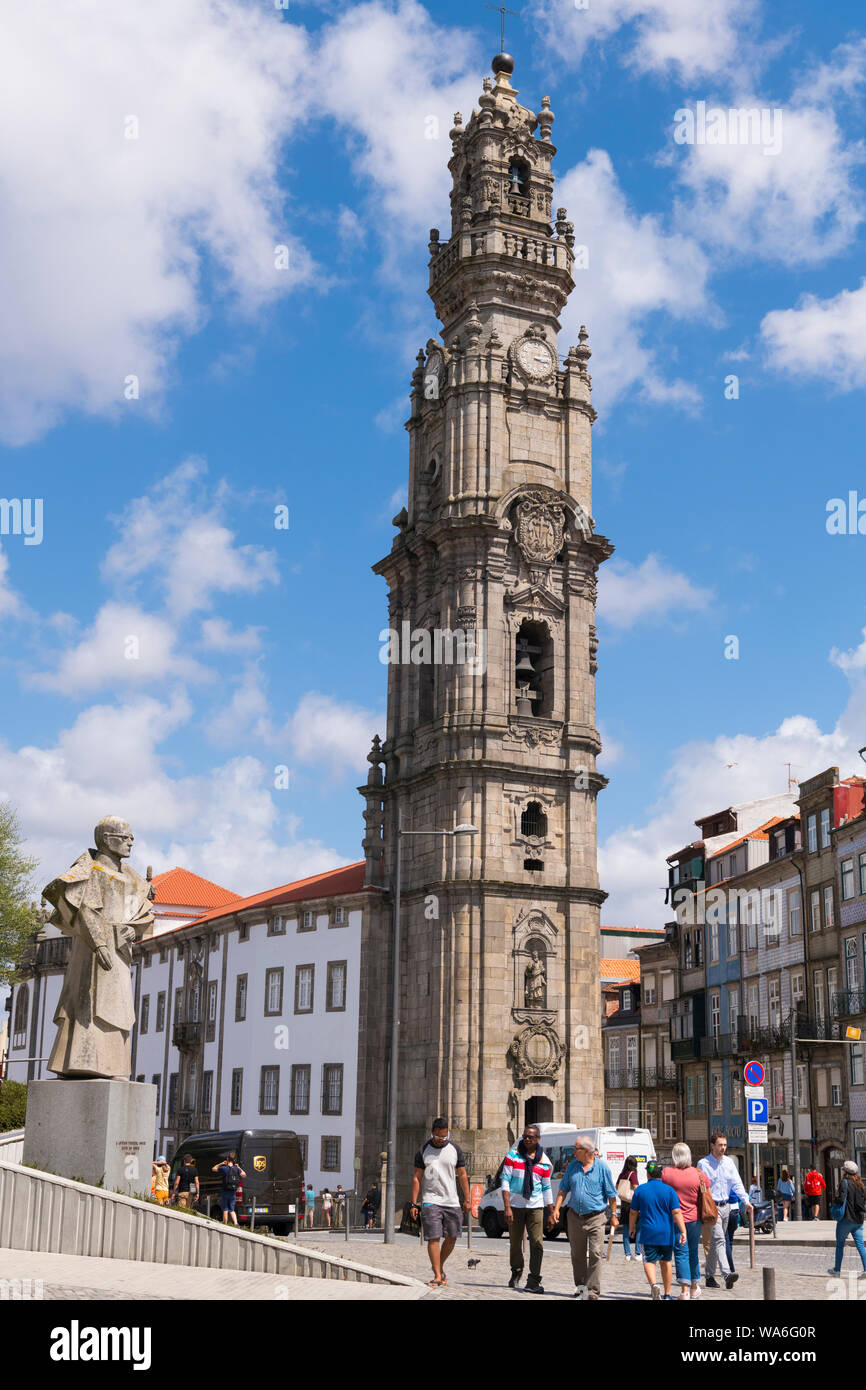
(85, 1277)
(801, 1273)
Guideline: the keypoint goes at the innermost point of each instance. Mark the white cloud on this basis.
(124, 647)
(350, 230)
(678, 37)
(649, 592)
(852, 661)
(177, 535)
(218, 635)
(106, 242)
(11, 605)
(247, 713)
(820, 337)
(636, 269)
(324, 730)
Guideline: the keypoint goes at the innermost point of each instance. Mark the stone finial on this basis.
(456, 132)
(561, 222)
(569, 235)
(418, 374)
(473, 325)
(487, 84)
(433, 244)
(545, 118)
(582, 352)
(375, 759)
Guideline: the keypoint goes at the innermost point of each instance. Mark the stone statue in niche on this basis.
(535, 982)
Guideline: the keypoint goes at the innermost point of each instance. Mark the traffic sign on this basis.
(753, 1074)
(758, 1134)
(757, 1110)
(754, 1091)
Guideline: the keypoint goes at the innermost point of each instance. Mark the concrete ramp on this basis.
(40, 1211)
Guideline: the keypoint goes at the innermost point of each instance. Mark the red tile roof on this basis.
(619, 969)
(759, 833)
(185, 889)
(349, 879)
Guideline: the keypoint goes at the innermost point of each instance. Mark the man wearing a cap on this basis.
(659, 1208)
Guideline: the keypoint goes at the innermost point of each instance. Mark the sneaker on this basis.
(534, 1288)
(514, 1281)
(836, 1272)
(696, 1291)
(710, 1282)
(656, 1292)
(669, 1298)
(731, 1280)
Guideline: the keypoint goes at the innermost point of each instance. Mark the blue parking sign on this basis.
(758, 1110)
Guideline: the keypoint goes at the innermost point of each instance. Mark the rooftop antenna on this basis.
(502, 13)
(792, 781)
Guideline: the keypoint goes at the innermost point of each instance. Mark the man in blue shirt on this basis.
(659, 1208)
(587, 1188)
(725, 1182)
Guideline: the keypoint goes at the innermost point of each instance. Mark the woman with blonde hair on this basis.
(686, 1181)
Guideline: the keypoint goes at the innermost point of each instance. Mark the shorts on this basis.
(161, 1196)
(227, 1200)
(437, 1222)
(184, 1201)
(653, 1253)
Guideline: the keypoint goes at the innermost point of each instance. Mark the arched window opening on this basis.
(533, 671)
(22, 1008)
(518, 178)
(534, 821)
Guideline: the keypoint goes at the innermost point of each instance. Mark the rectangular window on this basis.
(304, 982)
(690, 1095)
(733, 944)
(717, 1093)
(861, 870)
(304, 1144)
(144, 1017)
(244, 931)
(240, 998)
(771, 921)
(651, 1123)
(160, 1011)
(774, 1003)
(237, 1090)
(148, 959)
(736, 1093)
(715, 1014)
(306, 922)
(273, 991)
(818, 987)
(701, 1093)
(211, 1011)
(277, 926)
(163, 955)
(825, 828)
(713, 933)
(341, 917)
(172, 1093)
(812, 833)
(822, 1089)
(269, 1091)
(733, 1009)
(178, 1006)
(835, 1085)
(856, 1064)
(206, 1092)
(670, 1115)
(795, 916)
(631, 1058)
(214, 943)
(332, 1088)
(801, 1087)
(851, 962)
(668, 985)
(753, 1008)
(633, 1116)
(649, 990)
(847, 879)
(829, 909)
(156, 1080)
(815, 900)
(798, 988)
(330, 1153)
(336, 986)
(300, 1090)
(778, 1087)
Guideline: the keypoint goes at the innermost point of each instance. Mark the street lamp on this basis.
(391, 1146)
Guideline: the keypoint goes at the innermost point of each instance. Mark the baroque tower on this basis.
(499, 998)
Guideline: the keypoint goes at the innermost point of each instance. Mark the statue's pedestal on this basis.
(100, 1132)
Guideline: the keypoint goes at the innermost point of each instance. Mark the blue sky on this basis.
(164, 155)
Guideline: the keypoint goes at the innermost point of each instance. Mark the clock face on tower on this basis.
(535, 357)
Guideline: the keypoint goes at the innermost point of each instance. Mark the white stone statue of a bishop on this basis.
(104, 906)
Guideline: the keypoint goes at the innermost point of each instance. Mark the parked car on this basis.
(271, 1159)
(613, 1143)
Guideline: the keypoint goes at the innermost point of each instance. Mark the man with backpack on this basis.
(230, 1179)
(813, 1186)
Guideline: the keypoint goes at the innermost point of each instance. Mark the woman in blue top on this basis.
(785, 1193)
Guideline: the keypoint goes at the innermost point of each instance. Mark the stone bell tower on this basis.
(491, 685)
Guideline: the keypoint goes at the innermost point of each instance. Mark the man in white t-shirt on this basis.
(439, 1167)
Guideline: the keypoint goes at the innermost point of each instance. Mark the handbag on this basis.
(624, 1190)
(708, 1212)
(837, 1210)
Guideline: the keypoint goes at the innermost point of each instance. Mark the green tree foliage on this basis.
(13, 1103)
(19, 915)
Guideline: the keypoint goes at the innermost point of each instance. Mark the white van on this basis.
(614, 1146)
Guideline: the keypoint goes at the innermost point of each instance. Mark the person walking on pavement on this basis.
(813, 1186)
(159, 1183)
(587, 1188)
(756, 1196)
(339, 1207)
(230, 1174)
(658, 1206)
(439, 1167)
(370, 1205)
(785, 1193)
(528, 1200)
(625, 1186)
(724, 1178)
(849, 1209)
(327, 1203)
(686, 1181)
(309, 1205)
(186, 1187)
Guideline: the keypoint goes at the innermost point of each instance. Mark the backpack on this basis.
(231, 1177)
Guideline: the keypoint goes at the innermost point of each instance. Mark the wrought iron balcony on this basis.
(623, 1079)
(722, 1045)
(658, 1078)
(186, 1036)
(848, 1002)
(685, 1049)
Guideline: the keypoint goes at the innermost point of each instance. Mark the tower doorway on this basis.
(538, 1110)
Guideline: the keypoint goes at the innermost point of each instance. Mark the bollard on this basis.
(769, 1274)
(752, 1238)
